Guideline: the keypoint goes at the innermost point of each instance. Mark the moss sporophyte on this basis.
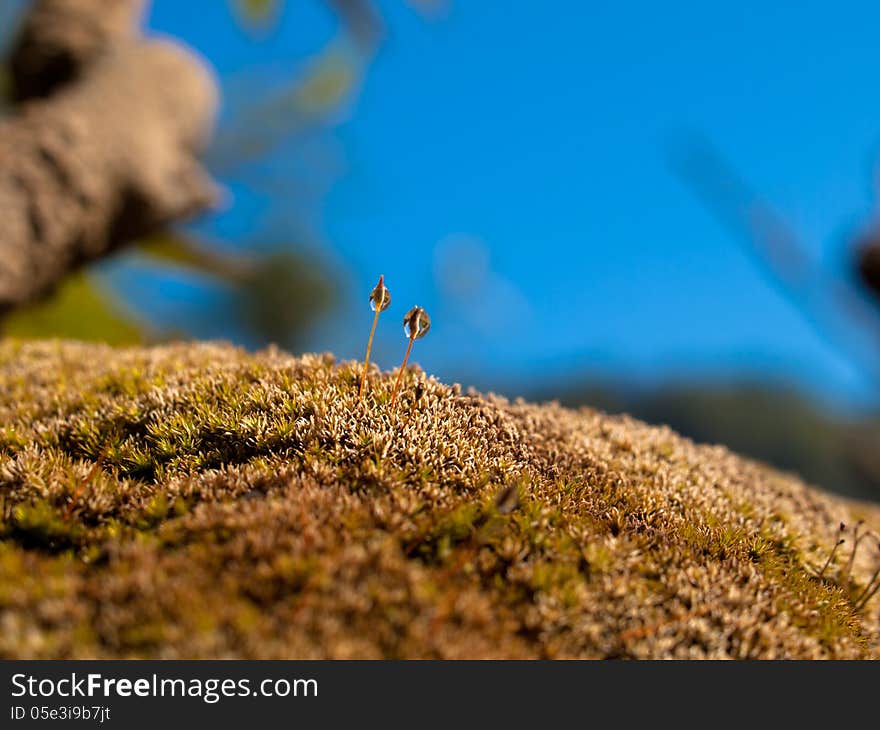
(416, 324)
(870, 589)
(840, 541)
(380, 298)
(844, 576)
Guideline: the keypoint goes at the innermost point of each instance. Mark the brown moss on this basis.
(249, 506)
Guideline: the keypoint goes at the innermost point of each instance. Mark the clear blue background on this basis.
(506, 166)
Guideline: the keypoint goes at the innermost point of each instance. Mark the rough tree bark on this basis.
(104, 148)
(60, 37)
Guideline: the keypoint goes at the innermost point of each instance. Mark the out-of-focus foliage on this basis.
(361, 20)
(279, 290)
(277, 294)
(293, 110)
(177, 249)
(327, 85)
(80, 309)
(277, 312)
(359, 17)
(841, 307)
(257, 14)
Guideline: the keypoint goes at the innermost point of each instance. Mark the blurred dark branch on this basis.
(835, 310)
(361, 19)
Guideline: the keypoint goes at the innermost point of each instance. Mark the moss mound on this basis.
(195, 500)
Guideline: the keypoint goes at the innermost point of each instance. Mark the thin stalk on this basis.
(831, 557)
(400, 372)
(367, 358)
(867, 594)
(852, 556)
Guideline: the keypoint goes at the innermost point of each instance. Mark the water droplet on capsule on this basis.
(416, 323)
(380, 297)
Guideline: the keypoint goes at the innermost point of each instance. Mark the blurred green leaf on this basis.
(330, 80)
(257, 14)
(285, 296)
(299, 106)
(80, 309)
(179, 250)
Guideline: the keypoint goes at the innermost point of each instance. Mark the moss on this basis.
(447, 531)
(248, 505)
(40, 525)
(155, 511)
(817, 607)
(10, 441)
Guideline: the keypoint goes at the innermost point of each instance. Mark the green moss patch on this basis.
(195, 500)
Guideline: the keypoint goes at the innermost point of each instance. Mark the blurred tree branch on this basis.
(109, 154)
(59, 38)
(833, 307)
(92, 165)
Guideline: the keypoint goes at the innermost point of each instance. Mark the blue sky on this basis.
(506, 166)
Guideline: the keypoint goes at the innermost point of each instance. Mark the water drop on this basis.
(416, 323)
(380, 297)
